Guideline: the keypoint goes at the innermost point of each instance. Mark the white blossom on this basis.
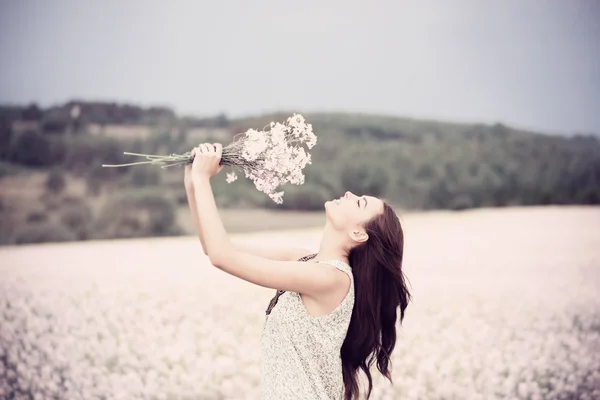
(231, 177)
(277, 197)
(482, 325)
(273, 157)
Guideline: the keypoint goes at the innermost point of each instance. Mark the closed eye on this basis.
(358, 202)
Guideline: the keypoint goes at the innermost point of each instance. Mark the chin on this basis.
(327, 204)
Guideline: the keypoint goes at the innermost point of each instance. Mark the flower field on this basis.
(506, 305)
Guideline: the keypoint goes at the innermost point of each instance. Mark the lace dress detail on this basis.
(300, 353)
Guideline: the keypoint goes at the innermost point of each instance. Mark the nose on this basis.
(347, 195)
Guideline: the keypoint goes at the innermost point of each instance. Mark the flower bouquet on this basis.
(270, 158)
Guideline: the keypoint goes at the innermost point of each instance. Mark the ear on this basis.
(359, 236)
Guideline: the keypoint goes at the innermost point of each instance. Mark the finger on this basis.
(197, 153)
(219, 150)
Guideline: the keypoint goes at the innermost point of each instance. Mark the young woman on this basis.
(335, 312)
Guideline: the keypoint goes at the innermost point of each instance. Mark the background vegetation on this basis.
(53, 188)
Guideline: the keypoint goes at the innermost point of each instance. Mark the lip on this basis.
(337, 201)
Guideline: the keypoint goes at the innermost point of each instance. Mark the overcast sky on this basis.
(527, 63)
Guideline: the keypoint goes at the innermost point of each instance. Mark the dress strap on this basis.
(342, 266)
(308, 257)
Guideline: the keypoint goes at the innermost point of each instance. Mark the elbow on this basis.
(214, 260)
(219, 258)
(219, 254)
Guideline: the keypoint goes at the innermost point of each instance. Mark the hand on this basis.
(206, 160)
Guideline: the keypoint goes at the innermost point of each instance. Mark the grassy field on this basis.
(506, 306)
(21, 196)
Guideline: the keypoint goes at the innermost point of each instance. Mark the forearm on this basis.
(191, 197)
(216, 241)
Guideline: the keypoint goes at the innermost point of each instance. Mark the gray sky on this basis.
(528, 63)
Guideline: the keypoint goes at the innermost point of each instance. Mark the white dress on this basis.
(300, 354)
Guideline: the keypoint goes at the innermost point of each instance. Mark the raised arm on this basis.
(301, 277)
(191, 198)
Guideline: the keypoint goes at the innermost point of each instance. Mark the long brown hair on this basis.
(380, 289)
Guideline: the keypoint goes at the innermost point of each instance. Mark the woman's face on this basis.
(351, 211)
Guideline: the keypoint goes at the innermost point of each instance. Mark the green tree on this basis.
(365, 178)
(5, 138)
(31, 148)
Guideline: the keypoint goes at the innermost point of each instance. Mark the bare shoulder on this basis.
(321, 303)
(341, 278)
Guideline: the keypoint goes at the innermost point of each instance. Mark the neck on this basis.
(332, 247)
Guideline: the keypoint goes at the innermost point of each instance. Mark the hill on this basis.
(50, 167)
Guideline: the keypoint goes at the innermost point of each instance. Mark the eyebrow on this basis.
(366, 202)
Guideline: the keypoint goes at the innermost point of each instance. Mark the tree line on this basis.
(418, 164)
(414, 164)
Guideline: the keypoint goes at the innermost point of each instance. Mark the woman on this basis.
(332, 316)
